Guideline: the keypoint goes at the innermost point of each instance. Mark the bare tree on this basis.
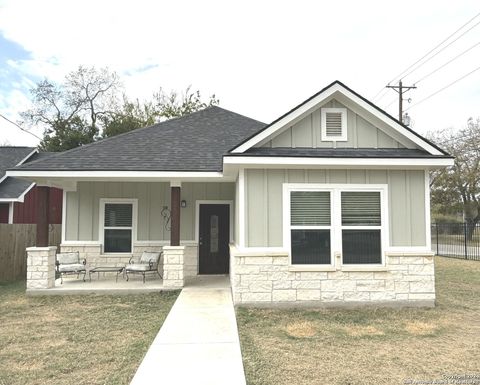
(70, 112)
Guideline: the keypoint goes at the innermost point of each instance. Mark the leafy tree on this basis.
(172, 105)
(131, 116)
(457, 188)
(164, 106)
(71, 112)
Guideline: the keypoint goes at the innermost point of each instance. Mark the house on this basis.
(329, 203)
(17, 196)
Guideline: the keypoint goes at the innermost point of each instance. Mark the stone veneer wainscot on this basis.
(269, 279)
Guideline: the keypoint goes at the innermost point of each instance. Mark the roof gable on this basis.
(361, 106)
(359, 133)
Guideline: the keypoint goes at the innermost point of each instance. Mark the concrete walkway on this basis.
(198, 342)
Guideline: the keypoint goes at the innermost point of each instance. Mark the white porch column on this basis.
(173, 266)
(41, 267)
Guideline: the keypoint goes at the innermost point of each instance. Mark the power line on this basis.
(443, 48)
(434, 48)
(448, 62)
(20, 127)
(428, 53)
(389, 104)
(444, 88)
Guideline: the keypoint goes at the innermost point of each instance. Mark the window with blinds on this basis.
(361, 208)
(314, 213)
(118, 215)
(310, 208)
(361, 232)
(310, 220)
(334, 124)
(118, 227)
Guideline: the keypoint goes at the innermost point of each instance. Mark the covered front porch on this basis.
(110, 223)
(109, 285)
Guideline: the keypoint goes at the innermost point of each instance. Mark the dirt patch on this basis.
(421, 328)
(301, 329)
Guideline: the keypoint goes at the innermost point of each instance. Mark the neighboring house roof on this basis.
(11, 156)
(195, 142)
(13, 188)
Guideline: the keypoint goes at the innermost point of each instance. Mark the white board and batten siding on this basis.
(263, 201)
(360, 133)
(82, 207)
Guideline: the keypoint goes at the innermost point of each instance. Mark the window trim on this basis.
(101, 225)
(340, 138)
(336, 223)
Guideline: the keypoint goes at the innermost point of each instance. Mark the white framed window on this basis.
(334, 124)
(321, 221)
(118, 224)
(310, 227)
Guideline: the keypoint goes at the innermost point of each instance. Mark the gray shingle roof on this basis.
(195, 142)
(11, 156)
(12, 188)
(338, 152)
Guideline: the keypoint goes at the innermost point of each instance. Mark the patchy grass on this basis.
(369, 345)
(87, 339)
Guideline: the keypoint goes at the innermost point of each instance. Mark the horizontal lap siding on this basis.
(82, 206)
(264, 224)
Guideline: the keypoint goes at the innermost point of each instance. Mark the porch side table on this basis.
(105, 269)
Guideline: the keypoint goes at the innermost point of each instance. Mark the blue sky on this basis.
(12, 81)
(259, 58)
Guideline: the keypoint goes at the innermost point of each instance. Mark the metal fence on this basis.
(456, 240)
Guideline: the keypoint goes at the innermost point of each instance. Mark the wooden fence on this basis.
(14, 239)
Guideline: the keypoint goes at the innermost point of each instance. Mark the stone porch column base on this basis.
(41, 267)
(173, 266)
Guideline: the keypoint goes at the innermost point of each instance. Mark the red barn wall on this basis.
(4, 209)
(26, 212)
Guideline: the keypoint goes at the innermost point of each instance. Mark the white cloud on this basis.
(261, 58)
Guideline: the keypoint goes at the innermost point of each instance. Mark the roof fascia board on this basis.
(286, 120)
(295, 120)
(282, 162)
(320, 98)
(382, 126)
(21, 198)
(391, 122)
(87, 174)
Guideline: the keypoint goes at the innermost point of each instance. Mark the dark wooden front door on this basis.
(214, 231)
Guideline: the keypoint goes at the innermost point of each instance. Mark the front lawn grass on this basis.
(88, 339)
(368, 345)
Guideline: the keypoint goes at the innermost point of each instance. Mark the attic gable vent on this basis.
(334, 124)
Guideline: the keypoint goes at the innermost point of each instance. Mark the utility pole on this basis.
(401, 89)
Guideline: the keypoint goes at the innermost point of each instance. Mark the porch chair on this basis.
(148, 262)
(69, 263)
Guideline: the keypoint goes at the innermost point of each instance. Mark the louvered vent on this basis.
(333, 124)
